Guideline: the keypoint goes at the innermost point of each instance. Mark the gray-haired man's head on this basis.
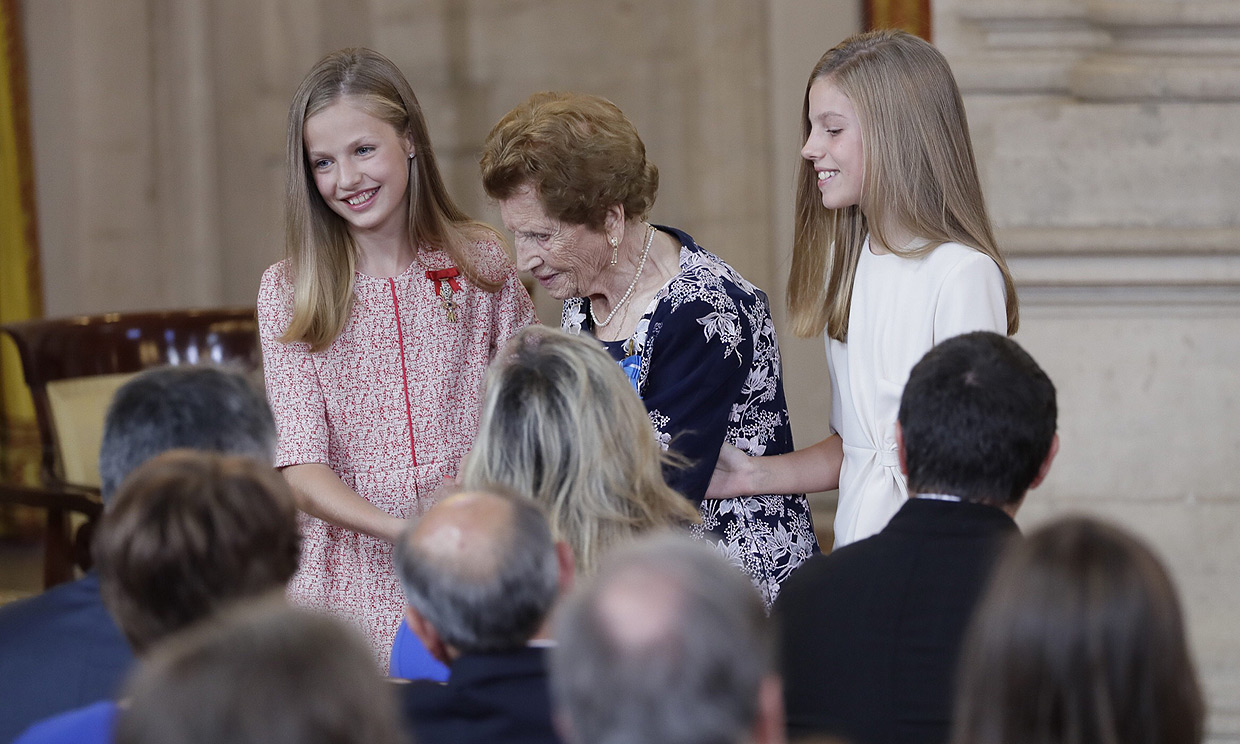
(481, 571)
(668, 643)
(203, 408)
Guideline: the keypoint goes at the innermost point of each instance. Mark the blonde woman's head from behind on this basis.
(561, 423)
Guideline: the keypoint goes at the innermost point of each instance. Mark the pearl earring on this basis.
(615, 250)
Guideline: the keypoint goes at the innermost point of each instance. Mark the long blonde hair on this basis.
(920, 175)
(561, 423)
(322, 256)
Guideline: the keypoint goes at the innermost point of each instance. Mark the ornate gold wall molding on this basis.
(911, 15)
(20, 294)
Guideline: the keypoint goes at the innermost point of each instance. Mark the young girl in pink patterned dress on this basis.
(376, 331)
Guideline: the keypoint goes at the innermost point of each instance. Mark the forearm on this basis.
(320, 493)
(814, 468)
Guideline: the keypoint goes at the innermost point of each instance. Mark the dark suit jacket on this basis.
(870, 634)
(58, 651)
(498, 698)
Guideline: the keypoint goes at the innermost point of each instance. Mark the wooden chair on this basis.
(72, 367)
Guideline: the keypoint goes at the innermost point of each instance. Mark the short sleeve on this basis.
(513, 308)
(292, 382)
(700, 357)
(971, 298)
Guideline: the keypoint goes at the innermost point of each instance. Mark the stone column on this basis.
(1108, 134)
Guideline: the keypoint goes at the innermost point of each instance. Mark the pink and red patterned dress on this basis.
(391, 406)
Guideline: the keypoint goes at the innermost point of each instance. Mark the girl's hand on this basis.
(732, 476)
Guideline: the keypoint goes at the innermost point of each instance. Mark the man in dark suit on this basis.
(481, 572)
(61, 650)
(870, 634)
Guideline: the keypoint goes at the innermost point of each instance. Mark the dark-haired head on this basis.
(977, 420)
(1078, 639)
(188, 533)
(261, 673)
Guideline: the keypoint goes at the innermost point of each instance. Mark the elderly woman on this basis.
(696, 339)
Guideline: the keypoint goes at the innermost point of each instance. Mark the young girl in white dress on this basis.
(893, 253)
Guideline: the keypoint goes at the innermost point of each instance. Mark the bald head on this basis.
(668, 643)
(466, 532)
(639, 611)
(481, 569)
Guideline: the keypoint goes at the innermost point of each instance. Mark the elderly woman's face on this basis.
(565, 259)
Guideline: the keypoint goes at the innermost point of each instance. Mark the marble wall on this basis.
(1108, 134)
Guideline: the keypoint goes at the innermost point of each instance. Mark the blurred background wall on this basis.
(1108, 133)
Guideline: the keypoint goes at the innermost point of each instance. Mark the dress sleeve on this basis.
(513, 310)
(699, 360)
(292, 381)
(971, 298)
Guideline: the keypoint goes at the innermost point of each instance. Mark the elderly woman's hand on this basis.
(733, 474)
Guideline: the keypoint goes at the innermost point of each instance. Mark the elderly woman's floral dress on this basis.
(705, 361)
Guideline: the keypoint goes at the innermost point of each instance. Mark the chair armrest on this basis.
(81, 500)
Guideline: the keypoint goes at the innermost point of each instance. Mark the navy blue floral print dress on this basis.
(705, 360)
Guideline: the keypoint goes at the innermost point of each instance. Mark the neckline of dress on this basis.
(680, 254)
(415, 266)
(865, 247)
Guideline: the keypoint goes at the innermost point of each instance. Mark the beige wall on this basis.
(1108, 135)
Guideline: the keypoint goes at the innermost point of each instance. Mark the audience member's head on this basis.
(261, 673)
(977, 421)
(1078, 639)
(668, 644)
(188, 532)
(481, 572)
(187, 407)
(561, 423)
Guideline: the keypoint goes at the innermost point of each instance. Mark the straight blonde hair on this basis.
(322, 256)
(561, 423)
(920, 175)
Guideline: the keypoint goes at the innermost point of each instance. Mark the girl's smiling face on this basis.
(834, 145)
(360, 166)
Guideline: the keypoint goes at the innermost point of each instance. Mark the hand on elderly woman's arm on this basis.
(809, 470)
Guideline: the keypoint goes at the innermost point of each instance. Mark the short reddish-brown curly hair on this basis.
(579, 152)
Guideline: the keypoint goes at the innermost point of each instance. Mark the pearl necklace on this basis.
(632, 285)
